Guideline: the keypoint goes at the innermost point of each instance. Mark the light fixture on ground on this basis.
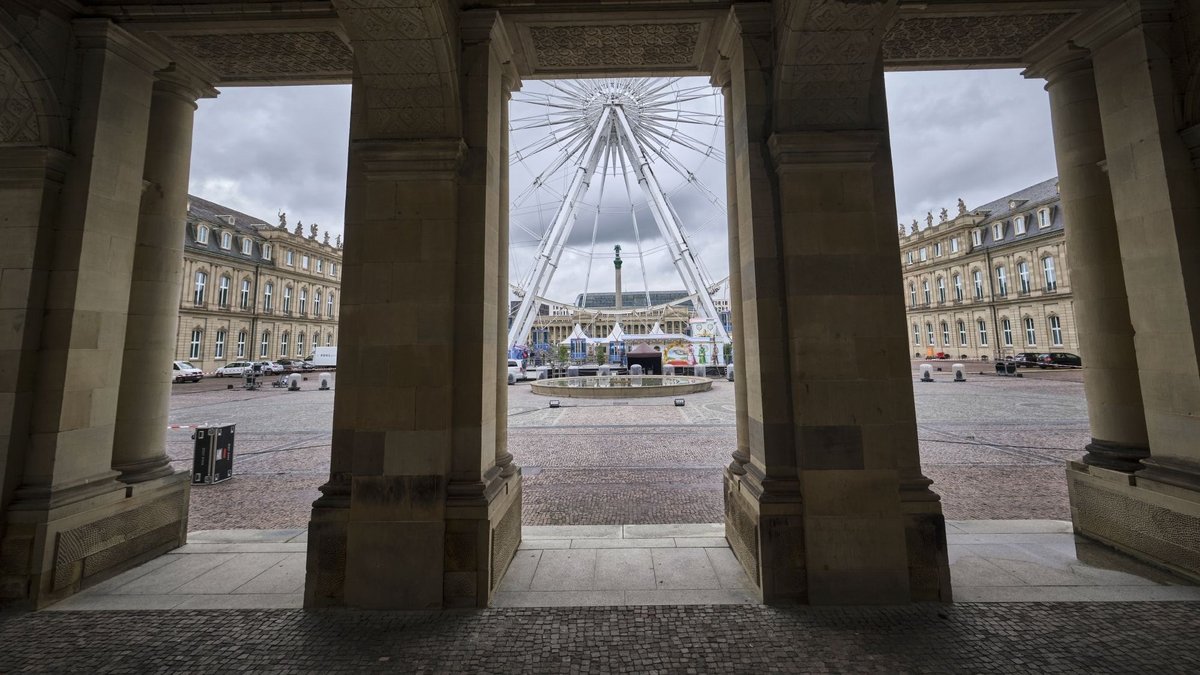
(679, 403)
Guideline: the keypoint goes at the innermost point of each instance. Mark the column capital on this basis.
(1063, 60)
(1108, 25)
(484, 26)
(184, 82)
(796, 149)
(436, 159)
(745, 20)
(103, 34)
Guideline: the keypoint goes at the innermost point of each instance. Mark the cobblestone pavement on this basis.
(1017, 637)
(995, 448)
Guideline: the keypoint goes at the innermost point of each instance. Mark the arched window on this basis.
(1001, 282)
(962, 333)
(329, 305)
(268, 292)
(1030, 332)
(283, 343)
(226, 240)
(287, 299)
(316, 340)
(241, 344)
(983, 336)
(244, 295)
(266, 251)
(977, 277)
(958, 287)
(1023, 276)
(317, 304)
(197, 338)
(916, 335)
(264, 348)
(1056, 331)
(941, 288)
(201, 235)
(1006, 325)
(201, 284)
(300, 344)
(945, 334)
(329, 339)
(219, 345)
(303, 301)
(223, 291)
(929, 333)
(925, 288)
(1048, 273)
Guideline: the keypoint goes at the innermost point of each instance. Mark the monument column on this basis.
(144, 399)
(504, 459)
(1157, 212)
(1114, 397)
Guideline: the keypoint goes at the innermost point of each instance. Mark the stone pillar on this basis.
(1155, 512)
(1114, 397)
(504, 458)
(144, 400)
(70, 523)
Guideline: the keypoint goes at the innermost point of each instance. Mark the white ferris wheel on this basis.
(614, 160)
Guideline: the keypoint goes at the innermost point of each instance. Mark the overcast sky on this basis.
(979, 135)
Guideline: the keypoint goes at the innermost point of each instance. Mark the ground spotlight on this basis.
(678, 403)
(554, 403)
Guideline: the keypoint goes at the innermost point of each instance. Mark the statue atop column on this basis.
(312, 231)
(326, 240)
(900, 230)
(283, 220)
(914, 227)
(929, 219)
(962, 207)
(299, 228)
(339, 241)
(945, 214)
(617, 260)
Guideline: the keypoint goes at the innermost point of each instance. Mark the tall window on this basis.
(958, 287)
(945, 334)
(924, 254)
(1048, 273)
(201, 283)
(303, 301)
(937, 249)
(283, 343)
(329, 339)
(223, 291)
(247, 245)
(1019, 225)
(977, 237)
(329, 305)
(264, 347)
(197, 336)
(219, 345)
(911, 257)
(226, 241)
(997, 231)
(1007, 326)
(1056, 331)
(962, 333)
(300, 344)
(333, 269)
(268, 292)
(978, 278)
(244, 295)
(304, 261)
(941, 286)
(916, 335)
(316, 340)
(929, 333)
(320, 265)
(290, 258)
(287, 299)
(954, 244)
(912, 293)
(982, 325)
(241, 344)
(1043, 216)
(1023, 276)
(201, 235)
(925, 289)
(266, 249)
(1001, 282)
(317, 304)
(1030, 333)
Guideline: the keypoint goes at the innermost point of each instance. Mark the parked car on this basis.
(516, 371)
(1060, 359)
(1028, 359)
(235, 369)
(182, 371)
(270, 367)
(294, 365)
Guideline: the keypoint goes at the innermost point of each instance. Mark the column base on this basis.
(765, 529)
(1155, 521)
(1115, 456)
(50, 554)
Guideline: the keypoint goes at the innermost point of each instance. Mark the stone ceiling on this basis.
(293, 41)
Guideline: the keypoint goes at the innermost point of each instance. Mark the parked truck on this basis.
(324, 357)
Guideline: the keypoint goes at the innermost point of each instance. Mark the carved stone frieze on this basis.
(18, 114)
(238, 57)
(966, 39)
(621, 45)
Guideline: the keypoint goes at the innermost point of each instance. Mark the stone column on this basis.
(70, 522)
(1153, 513)
(1114, 397)
(504, 458)
(144, 399)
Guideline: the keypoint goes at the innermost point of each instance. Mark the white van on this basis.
(516, 371)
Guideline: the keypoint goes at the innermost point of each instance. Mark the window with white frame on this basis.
(977, 276)
(912, 293)
(244, 294)
(329, 305)
(1030, 332)
(201, 234)
(962, 333)
(219, 345)
(1019, 225)
(929, 333)
(916, 335)
(289, 258)
(1048, 273)
(1001, 282)
(1023, 276)
(1006, 325)
(241, 344)
(925, 290)
(201, 283)
(977, 237)
(287, 299)
(268, 296)
(320, 265)
(226, 241)
(303, 301)
(954, 244)
(1055, 331)
(316, 305)
(304, 261)
(333, 269)
(937, 250)
(264, 347)
(300, 343)
(197, 337)
(941, 288)
(983, 337)
(223, 291)
(316, 340)
(958, 287)
(1043, 216)
(329, 339)
(247, 245)
(997, 231)
(266, 251)
(911, 258)
(924, 254)
(945, 334)
(283, 343)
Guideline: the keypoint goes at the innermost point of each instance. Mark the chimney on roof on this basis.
(617, 268)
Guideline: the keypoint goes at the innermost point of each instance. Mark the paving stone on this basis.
(683, 568)
(624, 569)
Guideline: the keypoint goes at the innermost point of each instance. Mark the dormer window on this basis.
(1043, 217)
(998, 231)
(266, 251)
(977, 237)
(201, 234)
(247, 246)
(1019, 225)
(226, 240)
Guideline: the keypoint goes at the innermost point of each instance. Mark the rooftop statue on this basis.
(283, 220)
(312, 231)
(962, 207)
(326, 241)
(929, 218)
(299, 228)
(945, 214)
(900, 231)
(339, 241)
(914, 227)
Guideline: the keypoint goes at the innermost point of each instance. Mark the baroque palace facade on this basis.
(252, 290)
(992, 281)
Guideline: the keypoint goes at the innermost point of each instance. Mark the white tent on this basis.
(616, 335)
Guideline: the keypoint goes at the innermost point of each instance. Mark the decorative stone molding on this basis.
(18, 111)
(106, 35)
(999, 39)
(616, 45)
(1115, 456)
(799, 148)
(436, 159)
(254, 57)
(1175, 472)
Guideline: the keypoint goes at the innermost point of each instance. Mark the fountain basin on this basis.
(621, 386)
